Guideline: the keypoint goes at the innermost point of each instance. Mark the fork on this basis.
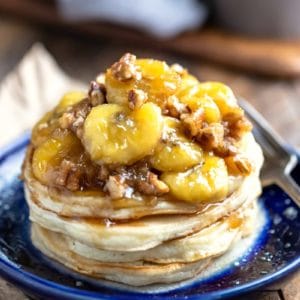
(279, 161)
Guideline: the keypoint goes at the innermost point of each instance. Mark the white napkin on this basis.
(31, 89)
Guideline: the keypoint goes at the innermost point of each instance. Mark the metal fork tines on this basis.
(279, 162)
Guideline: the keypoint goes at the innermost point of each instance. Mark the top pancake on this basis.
(97, 205)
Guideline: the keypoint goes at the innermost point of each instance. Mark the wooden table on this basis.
(277, 99)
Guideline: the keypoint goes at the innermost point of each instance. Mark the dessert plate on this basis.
(271, 254)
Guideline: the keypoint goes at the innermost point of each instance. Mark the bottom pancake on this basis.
(135, 274)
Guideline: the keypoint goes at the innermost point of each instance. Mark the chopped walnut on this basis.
(226, 148)
(193, 121)
(74, 118)
(66, 120)
(160, 186)
(125, 69)
(68, 176)
(136, 98)
(64, 170)
(174, 108)
(211, 136)
(238, 165)
(115, 186)
(152, 186)
(96, 93)
(236, 124)
(73, 183)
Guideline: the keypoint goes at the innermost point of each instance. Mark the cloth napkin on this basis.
(31, 89)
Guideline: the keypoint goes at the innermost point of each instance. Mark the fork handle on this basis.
(290, 187)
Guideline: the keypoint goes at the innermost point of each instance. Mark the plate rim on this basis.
(30, 282)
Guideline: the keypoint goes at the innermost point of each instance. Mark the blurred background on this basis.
(251, 45)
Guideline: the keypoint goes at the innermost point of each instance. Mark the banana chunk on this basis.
(207, 182)
(69, 99)
(156, 79)
(50, 154)
(175, 152)
(194, 97)
(113, 133)
(222, 95)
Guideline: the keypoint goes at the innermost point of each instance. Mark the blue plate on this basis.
(275, 253)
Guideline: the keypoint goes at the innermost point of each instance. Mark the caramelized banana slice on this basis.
(158, 79)
(117, 91)
(69, 99)
(155, 78)
(115, 134)
(49, 122)
(206, 182)
(175, 152)
(43, 129)
(188, 81)
(222, 95)
(194, 98)
(50, 154)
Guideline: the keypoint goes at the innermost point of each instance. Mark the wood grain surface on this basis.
(277, 99)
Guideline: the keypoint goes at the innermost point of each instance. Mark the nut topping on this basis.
(74, 118)
(193, 122)
(115, 186)
(125, 69)
(174, 108)
(211, 136)
(136, 98)
(96, 93)
(236, 125)
(238, 165)
(152, 186)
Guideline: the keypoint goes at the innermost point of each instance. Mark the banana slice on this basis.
(49, 122)
(114, 134)
(43, 129)
(175, 152)
(157, 80)
(222, 95)
(188, 81)
(69, 99)
(206, 182)
(50, 153)
(195, 98)
(117, 91)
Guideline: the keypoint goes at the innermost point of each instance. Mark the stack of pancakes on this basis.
(140, 245)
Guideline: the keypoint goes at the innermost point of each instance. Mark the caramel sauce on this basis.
(90, 193)
(235, 221)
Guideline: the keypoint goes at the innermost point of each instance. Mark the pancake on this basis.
(210, 241)
(135, 274)
(144, 233)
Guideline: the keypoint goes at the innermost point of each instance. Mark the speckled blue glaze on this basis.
(275, 253)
